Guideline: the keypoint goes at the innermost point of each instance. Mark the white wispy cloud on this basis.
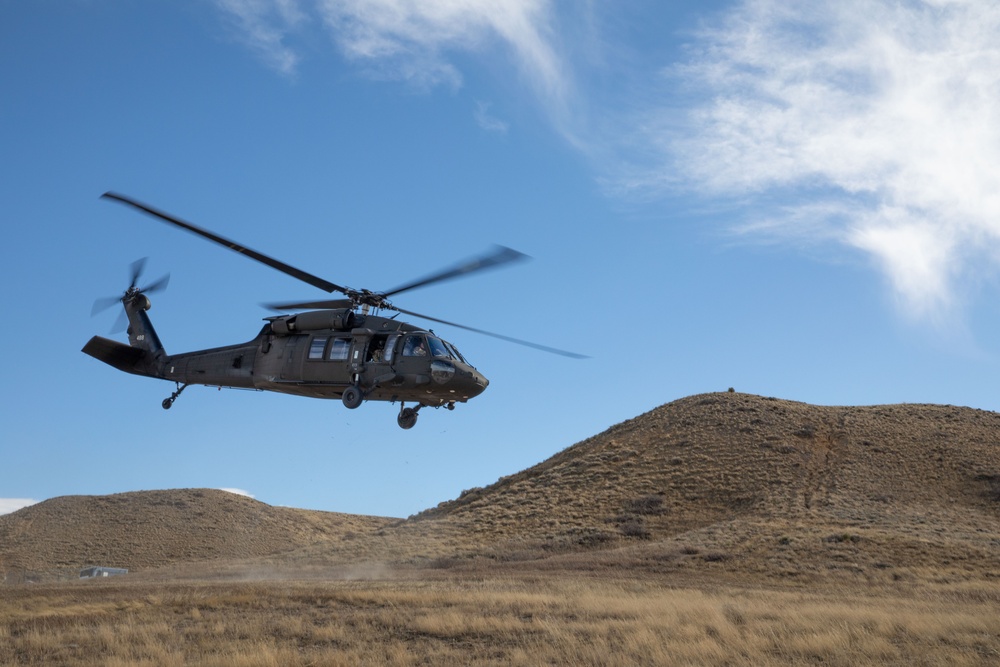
(412, 39)
(867, 123)
(881, 116)
(8, 505)
(239, 492)
(487, 120)
(265, 26)
(416, 41)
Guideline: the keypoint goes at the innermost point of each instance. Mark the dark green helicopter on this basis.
(339, 348)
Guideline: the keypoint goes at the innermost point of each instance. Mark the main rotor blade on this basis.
(500, 255)
(543, 348)
(305, 277)
(311, 305)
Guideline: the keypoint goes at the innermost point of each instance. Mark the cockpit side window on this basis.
(414, 346)
(438, 348)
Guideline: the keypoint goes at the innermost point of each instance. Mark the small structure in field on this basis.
(97, 571)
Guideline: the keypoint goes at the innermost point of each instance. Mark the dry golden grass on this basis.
(480, 619)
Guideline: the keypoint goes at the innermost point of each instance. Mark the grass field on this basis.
(472, 618)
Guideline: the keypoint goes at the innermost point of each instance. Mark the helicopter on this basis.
(334, 348)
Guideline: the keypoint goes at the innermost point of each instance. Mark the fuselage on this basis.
(303, 355)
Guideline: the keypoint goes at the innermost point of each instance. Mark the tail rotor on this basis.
(133, 294)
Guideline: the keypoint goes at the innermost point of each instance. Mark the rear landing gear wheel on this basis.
(167, 402)
(407, 418)
(352, 397)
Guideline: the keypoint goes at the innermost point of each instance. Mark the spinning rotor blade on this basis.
(305, 277)
(121, 323)
(543, 348)
(500, 255)
(100, 305)
(157, 286)
(135, 272)
(137, 267)
(311, 305)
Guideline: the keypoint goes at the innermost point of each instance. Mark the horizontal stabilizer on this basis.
(122, 357)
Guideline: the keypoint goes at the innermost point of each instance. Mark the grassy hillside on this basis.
(148, 529)
(721, 482)
(747, 482)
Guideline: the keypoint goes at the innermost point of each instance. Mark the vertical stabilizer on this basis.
(141, 333)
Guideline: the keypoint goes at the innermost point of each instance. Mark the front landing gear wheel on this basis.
(352, 397)
(167, 402)
(407, 418)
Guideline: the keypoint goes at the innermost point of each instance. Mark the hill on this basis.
(715, 483)
(755, 483)
(711, 457)
(148, 529)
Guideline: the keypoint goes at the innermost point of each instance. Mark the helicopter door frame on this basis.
(314, 363)
(360, 338)
(380, 357)
(293, 353)
(390, 352)
(328, 362)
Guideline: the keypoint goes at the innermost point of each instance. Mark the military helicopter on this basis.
(337, 348)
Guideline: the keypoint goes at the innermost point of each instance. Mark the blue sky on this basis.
(794, 201)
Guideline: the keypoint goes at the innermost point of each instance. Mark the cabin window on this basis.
(339, 349)
(414, 346)
(317, 346)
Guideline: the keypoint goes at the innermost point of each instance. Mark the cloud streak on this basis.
(487, 120)
(415, 39)
(265, 26)
(238, 492)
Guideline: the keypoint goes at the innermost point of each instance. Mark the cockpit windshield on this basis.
(438, 348)
(415, 346)
(455, 353)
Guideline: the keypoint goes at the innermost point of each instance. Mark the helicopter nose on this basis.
(480, 381)
(472, 383)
